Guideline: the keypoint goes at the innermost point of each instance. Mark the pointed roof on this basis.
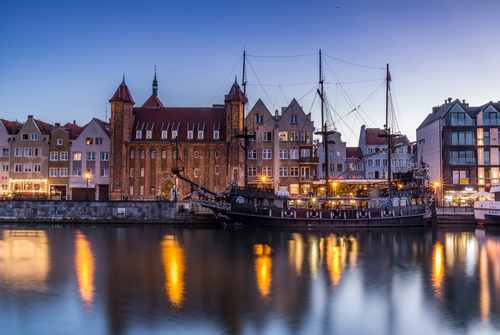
(12, 127)
(122, 93)
(235, 93)
(153, 102)
(351, 152)
(73, 129)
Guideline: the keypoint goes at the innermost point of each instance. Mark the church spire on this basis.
(155, 85)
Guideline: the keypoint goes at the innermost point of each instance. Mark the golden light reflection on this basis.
(438, 270)
(84, 264)
(484, 289)
(335, 257)
(315, 253)
(296, 252)
(174, 263)
(24, 259)
(263, 267)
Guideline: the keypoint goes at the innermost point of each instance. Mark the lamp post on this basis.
(263, 179)
(87, 176)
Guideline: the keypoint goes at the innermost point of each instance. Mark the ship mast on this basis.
(388, 134)
(245, 136)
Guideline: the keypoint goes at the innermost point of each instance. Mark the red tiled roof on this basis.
(372, 136)
(11, 126)
(153, 101)
(105, 126)
(178, 118)
(235, 93)
(353, 152)
(44, 127)
(122, 94)
(73, 129)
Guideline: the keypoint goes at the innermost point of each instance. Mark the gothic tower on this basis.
(234, 104)
(121, 128)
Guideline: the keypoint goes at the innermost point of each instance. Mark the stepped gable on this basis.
(180, 119)
(122, 93)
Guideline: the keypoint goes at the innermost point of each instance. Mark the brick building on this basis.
(148, 141)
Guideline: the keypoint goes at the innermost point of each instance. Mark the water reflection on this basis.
(84, 265)
(438, 270)
(173, 262)
(263, 268)
(24, 259)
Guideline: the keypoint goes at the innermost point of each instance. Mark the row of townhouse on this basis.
(39, 159)
(461, 146)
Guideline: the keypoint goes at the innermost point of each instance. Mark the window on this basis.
(138, 134)
(143, 154)
(252, 171)
(352, 167)
(370, 175)
(259, 119)
(305, 153)
(283, 154)
(266, 136)
(196, 154)
(91, 156)
(195, 173)
(104, 156)
(104, 172)
(131, 190)
(283, 136)
(305, 137)
(294, 136)
(164, 134)
(54, 155)
(132, 154)
(37, 167)
(294, 153)
(53, 172)
(131, 172)
(149, 134)
(77, 156)
(164, 154)
(252, 154)
(89, 140)
(293, 119)
(370, 162)
(142, 190)
(463, 138)
(34, 137)
(27, 167)
(200, 134)
(190, 135)
(63, 156)
(5, 168)
(24, 137)
(18, 152)
(142, 172)
(294, 188)
(98, 140)
(153, 154)
(217, 153)
(59, 141)
(360, 166)
(174, 134)
(267, 171)
(217, 169)
(377, 162)
(252, 136)
(27, 152)
(462, 157)
(216, 134)
(77, 172)
(283, 172)
(294, 171)
(5, 152)
(63, 172)
(18, 168)
(267, 154)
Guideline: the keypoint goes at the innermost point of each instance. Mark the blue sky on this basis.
(63, 60)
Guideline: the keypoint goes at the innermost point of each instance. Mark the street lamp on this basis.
(87, 176)
(263, 179)
(334, 187)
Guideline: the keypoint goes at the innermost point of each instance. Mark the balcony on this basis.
(462, 161)
(309, 160)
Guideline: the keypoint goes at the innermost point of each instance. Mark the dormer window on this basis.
(190, 135)
(149, 134)
(138, 134)
(174, 134)
(200, 134)
(164, 134)
(216, 134)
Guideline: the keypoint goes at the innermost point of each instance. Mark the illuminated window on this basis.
(77, 156)
(89, 140)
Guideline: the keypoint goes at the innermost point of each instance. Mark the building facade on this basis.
(150, 141)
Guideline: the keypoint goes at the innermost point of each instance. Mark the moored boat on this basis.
(488, 212)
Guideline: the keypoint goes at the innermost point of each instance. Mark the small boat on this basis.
(488, 212)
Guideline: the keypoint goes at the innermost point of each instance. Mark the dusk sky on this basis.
(63, 60)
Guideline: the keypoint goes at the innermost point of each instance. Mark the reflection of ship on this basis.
(405, 202)
(488, 212)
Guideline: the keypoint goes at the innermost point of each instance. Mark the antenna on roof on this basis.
(106, 112)
(123, 79)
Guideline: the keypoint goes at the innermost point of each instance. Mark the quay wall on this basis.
(102, 211)
(455, 214)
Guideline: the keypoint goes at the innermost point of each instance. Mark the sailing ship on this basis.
(406, 201)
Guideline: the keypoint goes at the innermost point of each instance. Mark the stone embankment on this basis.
(455, 214)
(157, 212)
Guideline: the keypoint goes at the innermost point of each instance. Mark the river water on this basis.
(157, 280)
